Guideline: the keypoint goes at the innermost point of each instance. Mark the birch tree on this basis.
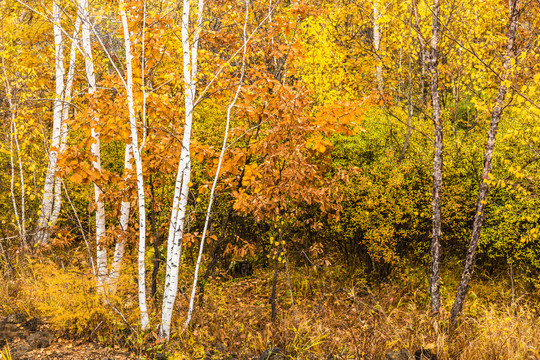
(14, 138)
(181, 190)
(377, 44)
(432, 56)
(483, 191)
(65, 115)
(216, 177)
(125, 209)
(107, 280)
(433, 60)
(101, 249)
(44, 222)
(138, 165)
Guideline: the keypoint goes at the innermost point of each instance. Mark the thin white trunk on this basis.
(377, 44)
(90, 257)
(101, 251)
(21, 175)
(13, 136)
(216, 177)
(44, 222)
(143, 85)
(181, 191)
(139, 169)
(124, 220)
(176, 227)
(14, 201)
(65, 115)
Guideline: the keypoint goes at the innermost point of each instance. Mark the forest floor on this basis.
(31, 339)
(321, 315)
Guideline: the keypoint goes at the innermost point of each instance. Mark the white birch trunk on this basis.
(181, 191)
(216, 178)
(140, 179)
(176, 227)
(377, 44)
(21, 175)
(44, 222)
(13, 132)
(65, 115)
(121, 241)
(13, 136)
(101, 252)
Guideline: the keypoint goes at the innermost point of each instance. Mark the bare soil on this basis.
(29, 339)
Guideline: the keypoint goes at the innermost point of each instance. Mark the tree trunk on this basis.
(140, 180)
(181, 190)
(101, 251)
(216, 177)
(434, 282)
(377, 44)
(44, 222)
(274, 286)
(13, 135)
(65, 114)
(125, 209)
(483, 191)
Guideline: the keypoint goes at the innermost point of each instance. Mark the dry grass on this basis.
(331, 317)
(351, 321)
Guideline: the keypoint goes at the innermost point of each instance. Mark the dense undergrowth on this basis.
(322, 312)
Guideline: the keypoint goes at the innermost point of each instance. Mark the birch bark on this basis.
(21, 222)
(216, 177)
(124, 220)
(101, 251)
(434, 281)
(377, 44)
(140, 179)
(65, 115)
(13, 135)
(181, 191)
(44, 221)
(483, 191)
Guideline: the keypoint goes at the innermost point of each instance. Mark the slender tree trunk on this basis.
(434, 282)
(409, 99)
(101, 251)
(140, 180)
(217, 250)
(21, 179)
(181, 190)
(157, 242)
(44, 222)
(125, 209)
(483, 191)
(13, 135)
(216, 177)
(65, 114)
(377, 44)
(13, 138)
(176, 227)
(274, 286)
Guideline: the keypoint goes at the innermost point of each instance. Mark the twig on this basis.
(90, 258)
(290, 287)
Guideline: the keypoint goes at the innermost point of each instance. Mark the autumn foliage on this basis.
(325, 182)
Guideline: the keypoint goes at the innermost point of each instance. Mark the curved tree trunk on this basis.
(483, 191)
